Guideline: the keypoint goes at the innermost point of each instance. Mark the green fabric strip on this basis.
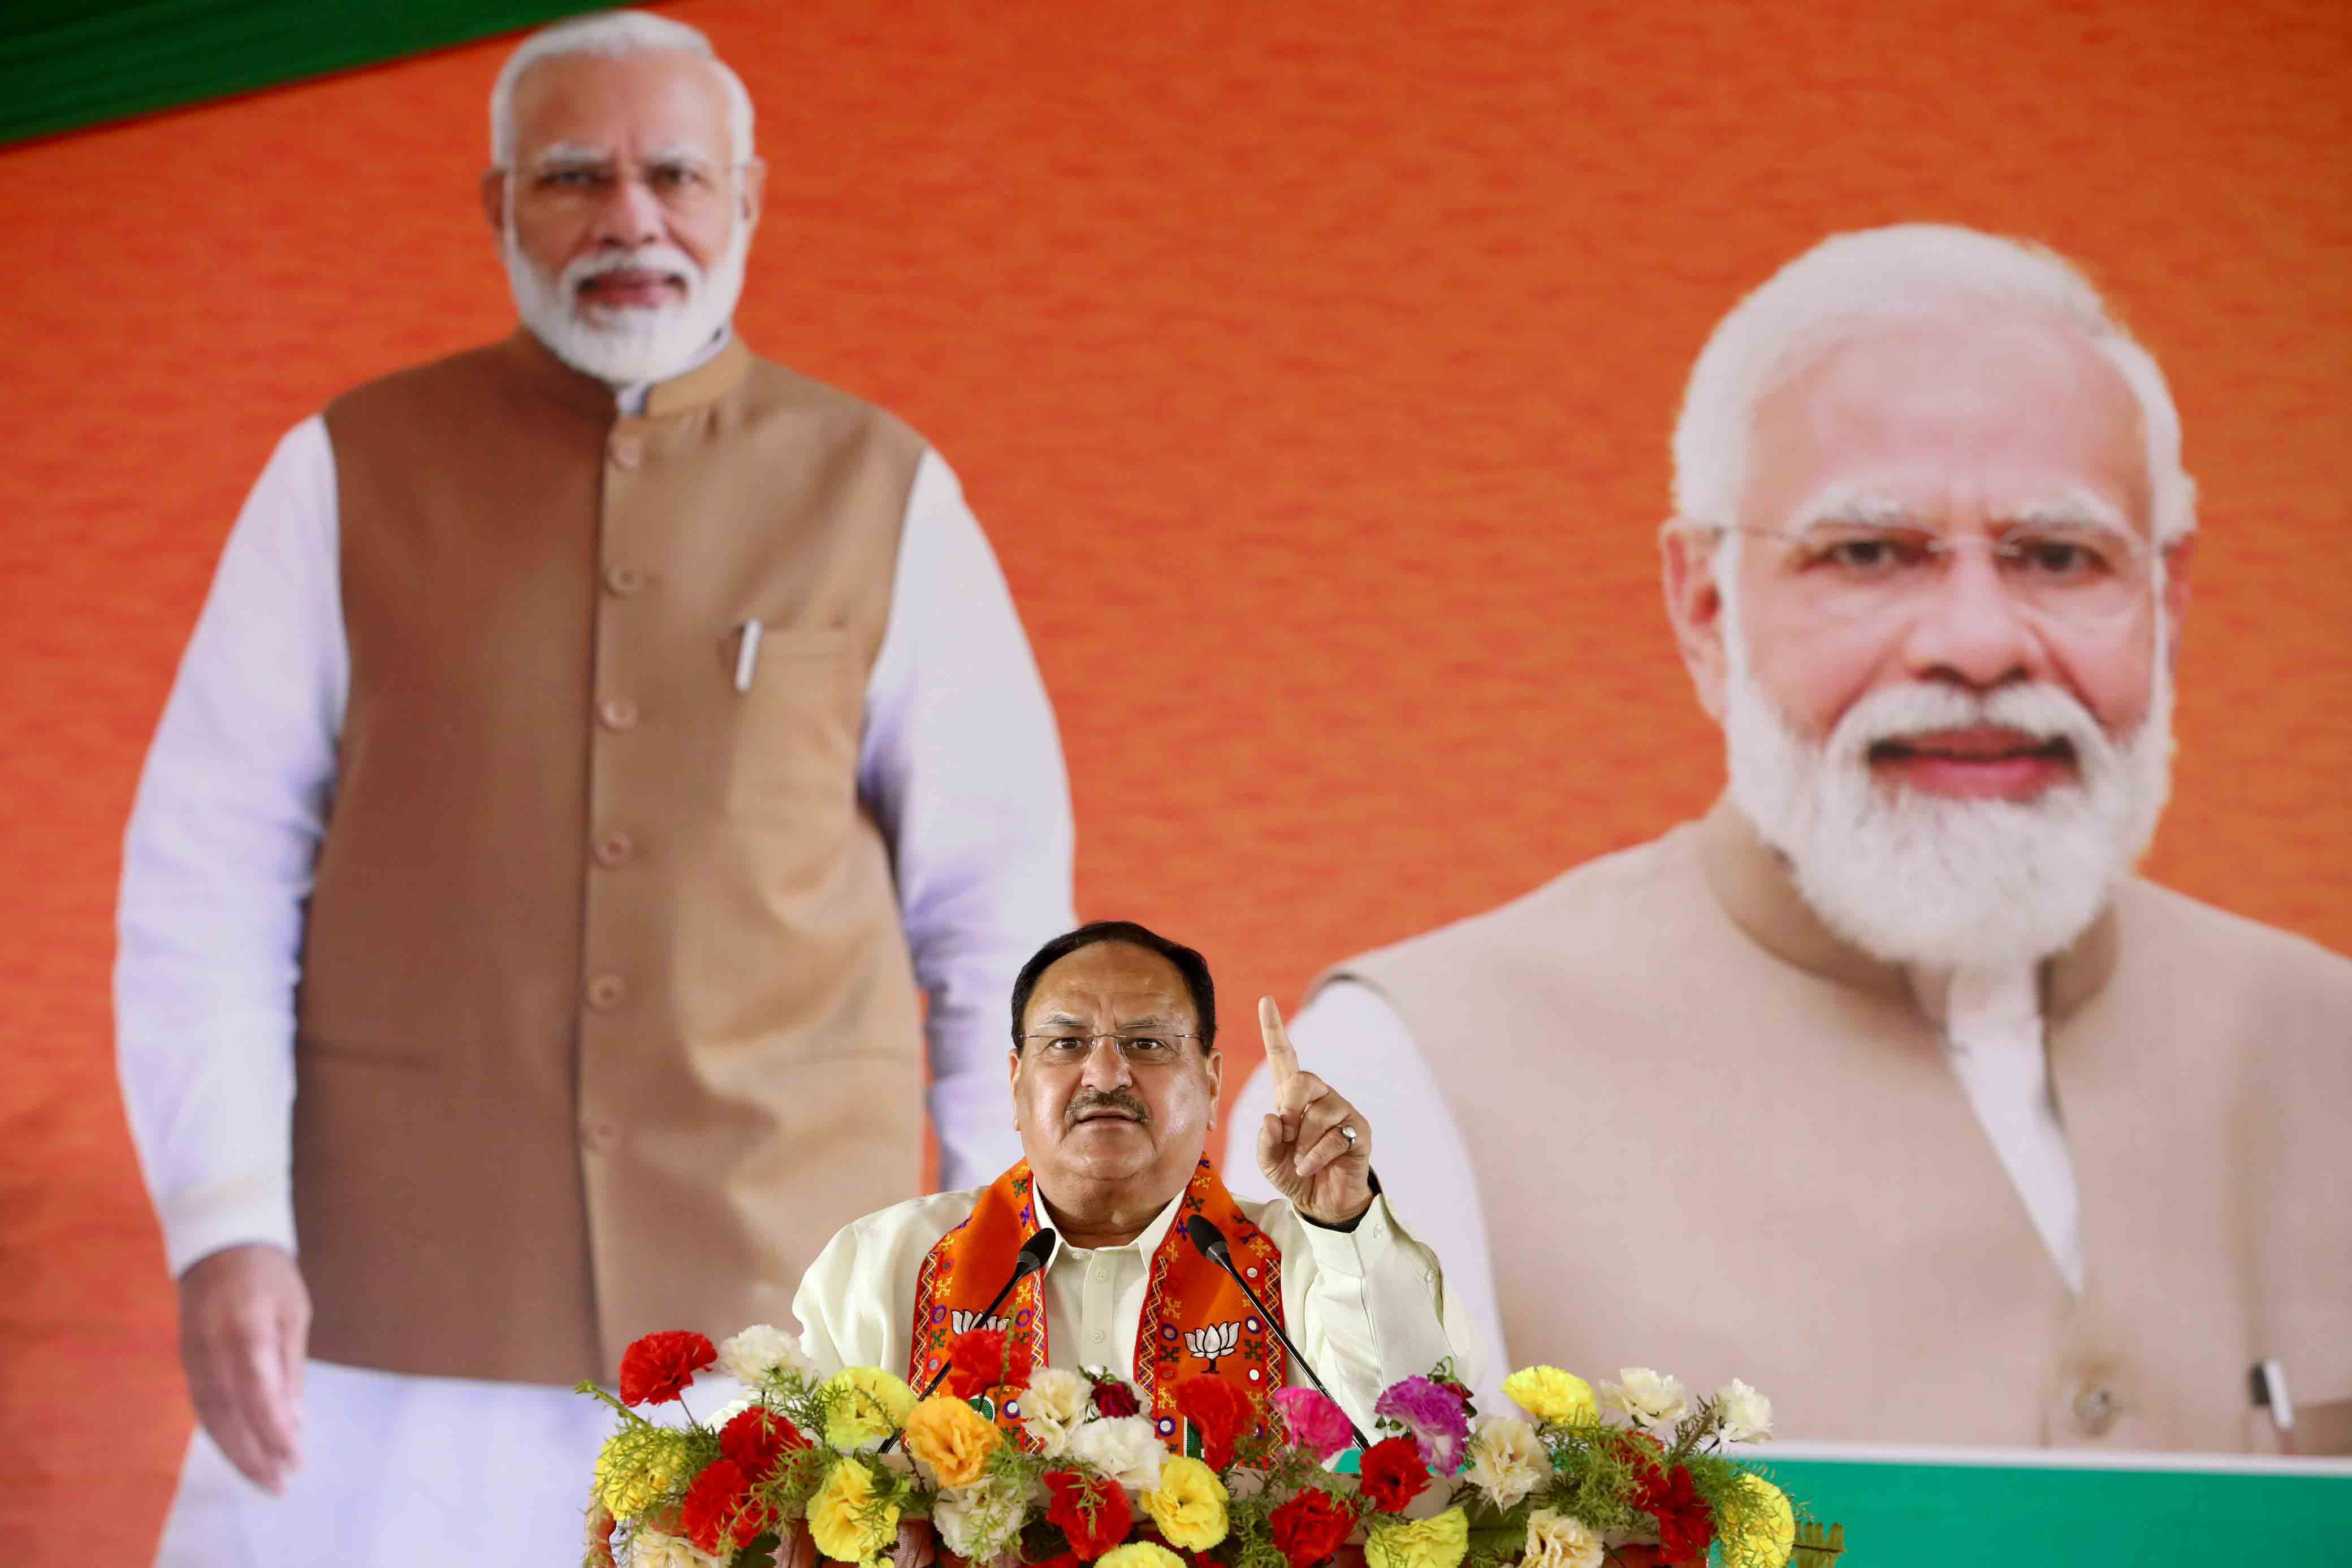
(1994, 1516)
(66, 65)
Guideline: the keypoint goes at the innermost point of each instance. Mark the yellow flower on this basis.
(866, 1405)
(953, 1438)
(1438, 1542)
(1547, 1393)
(842, 1519)
(638, 1467)
(1140, 1554)
(1760, 1529)
(1190, 1506)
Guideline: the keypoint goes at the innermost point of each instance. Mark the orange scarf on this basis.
(1194, 1318)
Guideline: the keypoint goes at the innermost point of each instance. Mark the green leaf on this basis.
(760, 1552)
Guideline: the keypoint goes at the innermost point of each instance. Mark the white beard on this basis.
(1918, 878)
(633, 344)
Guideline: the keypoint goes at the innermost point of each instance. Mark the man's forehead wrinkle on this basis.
(560, 87)
(2028, 419)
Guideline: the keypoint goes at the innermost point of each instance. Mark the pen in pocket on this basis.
(747, 654)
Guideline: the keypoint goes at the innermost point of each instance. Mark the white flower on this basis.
(1648, 1397)
(1507, 1462)
(1746, 1415)
(761, 1351)
(728, 1412)
(1125, 1449)
(1556, 1540)
(652, 1549)
(1052, 1405)
(976, 1523)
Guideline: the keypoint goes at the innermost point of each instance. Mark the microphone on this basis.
(1036, 1253)
(1211, 1240)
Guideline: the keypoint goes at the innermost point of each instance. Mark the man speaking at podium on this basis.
(1114, 1077)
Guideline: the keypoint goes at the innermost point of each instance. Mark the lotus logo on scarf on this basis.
(1214, 1343)
(966, 1321)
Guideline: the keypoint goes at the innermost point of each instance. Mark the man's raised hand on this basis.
(1315, 1147)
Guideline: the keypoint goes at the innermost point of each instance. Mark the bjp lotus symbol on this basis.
(1214, 1343)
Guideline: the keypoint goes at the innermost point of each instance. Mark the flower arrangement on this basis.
(860, 1468)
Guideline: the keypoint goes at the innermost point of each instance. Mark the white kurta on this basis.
(1368, 1306)
(960, 763)
(1992, 1041)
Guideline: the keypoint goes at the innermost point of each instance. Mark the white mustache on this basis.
(645, 258)
(2045, 711)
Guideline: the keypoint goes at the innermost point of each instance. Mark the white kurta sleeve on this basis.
(962, 766)
(1369, 1307)
(217, 863)
(1351, 1035)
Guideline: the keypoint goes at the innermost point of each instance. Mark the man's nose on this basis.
(630, 215)
(1971, 630)
(1106, 1064)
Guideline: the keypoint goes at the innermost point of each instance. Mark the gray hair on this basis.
(614, 34)
(1851, 282)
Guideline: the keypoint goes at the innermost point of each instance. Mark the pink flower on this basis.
(1316, 1424)
(1434, 1415)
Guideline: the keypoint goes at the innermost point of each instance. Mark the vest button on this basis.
(2094, 1411)
(615, 848)
(618, 713)
(605, 992)
(623, 580)
(627, 452)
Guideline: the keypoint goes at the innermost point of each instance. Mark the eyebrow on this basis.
(1066, 1022)
(566, 155)
(1841, 507)
(2076, 509)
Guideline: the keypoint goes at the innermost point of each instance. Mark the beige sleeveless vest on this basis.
(605, 1019)
(1713, 1138)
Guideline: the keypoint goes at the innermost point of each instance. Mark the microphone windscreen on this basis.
(1205, 1236)
(1036, 1253)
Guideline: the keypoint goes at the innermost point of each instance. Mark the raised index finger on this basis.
(1279, 1056)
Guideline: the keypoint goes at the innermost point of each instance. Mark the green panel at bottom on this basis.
(1994, 1516)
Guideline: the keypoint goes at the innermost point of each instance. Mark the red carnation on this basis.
(1311, 1526)
(980, 1360)
(1684, 1526)
(1114, 1398)
(1075, 1499)
(1392, 1473)
(1220, 1412)
(756, 1439)
(719, 1513)
(657, 1368)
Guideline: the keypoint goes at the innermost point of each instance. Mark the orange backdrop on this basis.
(1311, 367)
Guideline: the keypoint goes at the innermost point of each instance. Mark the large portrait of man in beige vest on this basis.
(1888, 1086)
(601, 808)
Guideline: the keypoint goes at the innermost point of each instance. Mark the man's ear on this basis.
(494, 199)
(754, 181)
(1695, 606)
(2178, 556)
(1214, 1063)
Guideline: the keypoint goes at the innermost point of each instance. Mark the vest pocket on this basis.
(796, 727)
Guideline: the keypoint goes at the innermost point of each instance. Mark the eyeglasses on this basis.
(2082, 574)
(1069, 1048)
